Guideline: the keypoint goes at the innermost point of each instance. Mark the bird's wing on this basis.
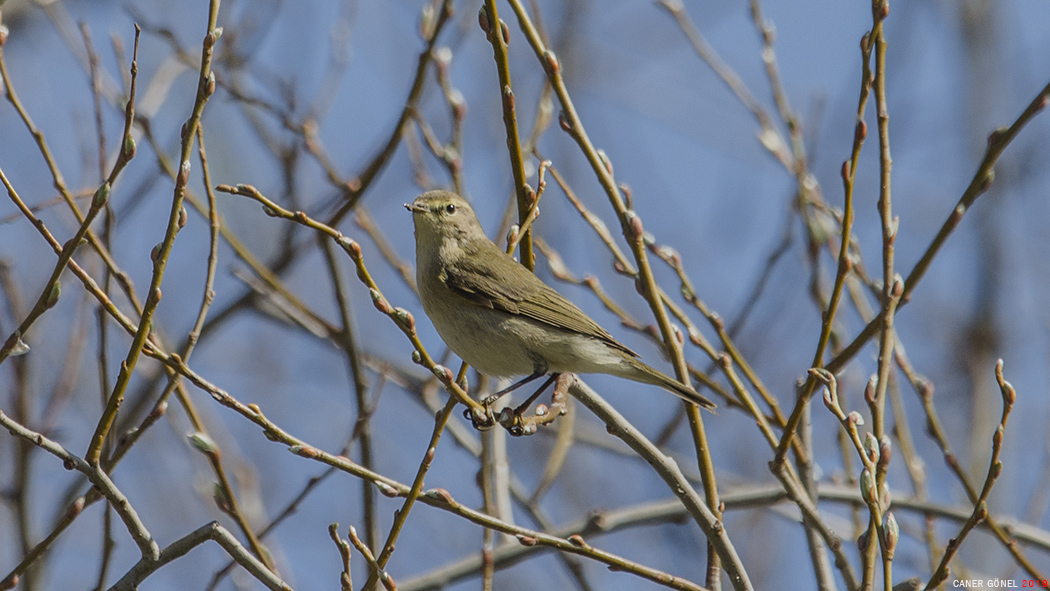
(474, 278)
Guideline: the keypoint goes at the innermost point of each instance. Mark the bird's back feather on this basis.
(515, 290)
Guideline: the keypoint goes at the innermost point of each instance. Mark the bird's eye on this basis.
(450, 208)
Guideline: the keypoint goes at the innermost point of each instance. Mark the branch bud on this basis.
(101, 196)
(53, 295)
(184, 175)
(202, 443)
(380, 302)
(130, 148)
(872, 446)
(551, 63)
(405, 319)
(563, 121)
(869, 389)
(212, 37)
(632, 225)
(885, 451)
(505, 31)
(867, 487)
(605, 161)
(209, 86)
(893, 533)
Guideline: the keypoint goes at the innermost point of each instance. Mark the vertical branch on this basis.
(487, 481)
(176, 219)
(499, 36)
(893, 285)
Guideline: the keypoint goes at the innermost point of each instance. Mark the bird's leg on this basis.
(513, 421)
(493, 398)
(486, 422)
(528, 402)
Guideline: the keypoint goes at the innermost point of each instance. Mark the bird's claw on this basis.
(509, 419)
(489, 400)
(514, 423)
(514, 419)
(483, 423)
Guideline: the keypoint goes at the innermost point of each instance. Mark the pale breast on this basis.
(501, 344)
(482, 337)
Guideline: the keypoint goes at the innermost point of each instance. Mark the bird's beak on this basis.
(415, 208)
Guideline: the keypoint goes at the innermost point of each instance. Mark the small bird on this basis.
(502, 319)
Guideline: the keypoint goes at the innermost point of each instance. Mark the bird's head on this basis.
(442, 215)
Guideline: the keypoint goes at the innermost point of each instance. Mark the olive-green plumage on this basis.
(502, 319)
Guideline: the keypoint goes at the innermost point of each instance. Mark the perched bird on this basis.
(502, 319)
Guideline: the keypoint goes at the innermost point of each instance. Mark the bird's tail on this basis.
(640, 372)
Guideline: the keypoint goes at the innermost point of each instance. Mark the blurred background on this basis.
(310, 93)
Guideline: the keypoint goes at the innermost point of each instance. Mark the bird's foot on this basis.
(515, 421)
(490, 400)
(482, 423)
